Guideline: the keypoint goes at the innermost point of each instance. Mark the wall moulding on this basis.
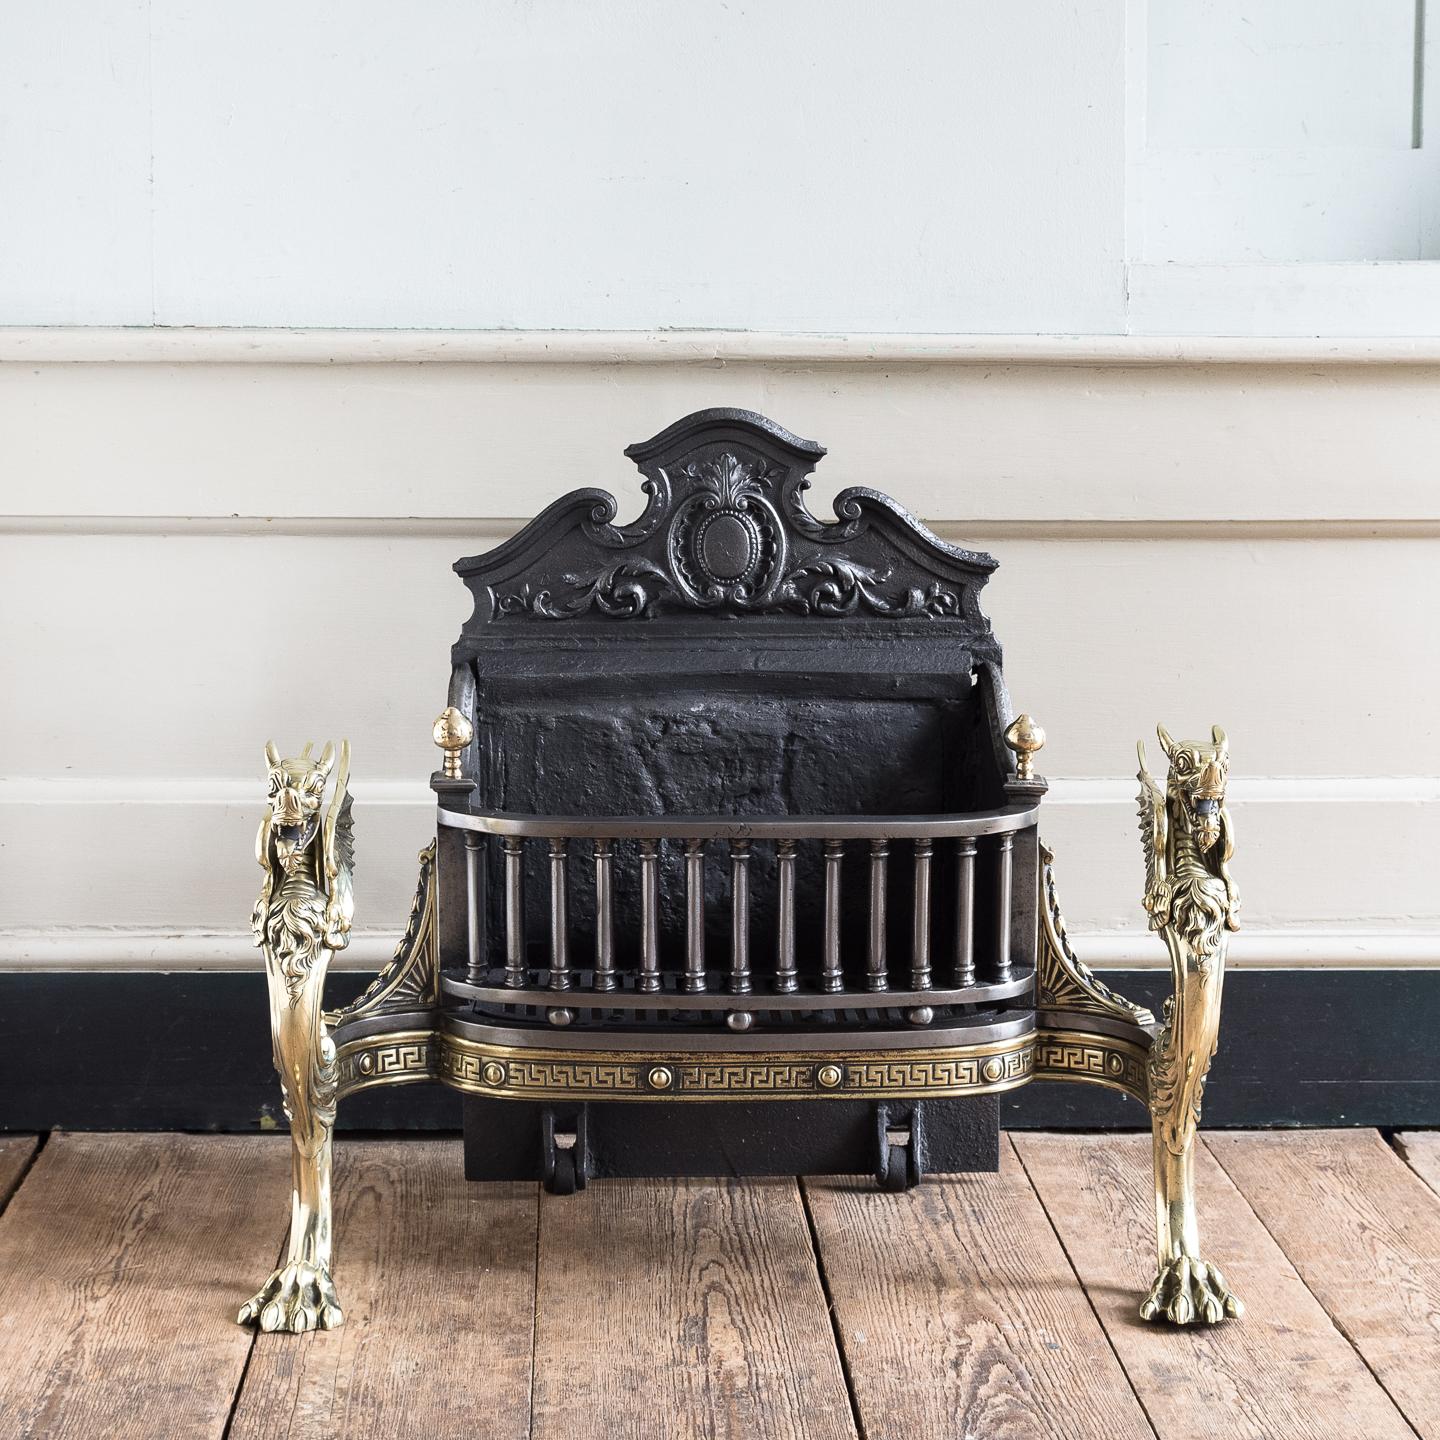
(1065, 791)
(493, 530)
(184, 345)
(180, 951)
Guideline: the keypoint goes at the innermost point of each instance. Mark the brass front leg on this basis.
(1191, 902)
(301, 918)
(1187, 1289)
(300, 1294)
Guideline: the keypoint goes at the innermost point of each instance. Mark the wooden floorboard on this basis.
(124, 1258)
(666, 1310)
(437, 1279)
(671, 1309)
(1420, 1149)
(1284, 1370)
(15, 1153)
(960, 1315)
(1363, 1230)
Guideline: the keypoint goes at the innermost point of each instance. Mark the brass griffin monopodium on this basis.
(301, 918)
(1192, 903)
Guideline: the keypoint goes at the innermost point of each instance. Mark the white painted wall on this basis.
(807, 164)
(191, 546)
(1188, 531)
(927, 166)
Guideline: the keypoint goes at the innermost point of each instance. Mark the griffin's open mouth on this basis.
(291, 839)
(1205, 813)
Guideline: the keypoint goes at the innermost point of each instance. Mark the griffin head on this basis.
(1198, 773)
(297, 790)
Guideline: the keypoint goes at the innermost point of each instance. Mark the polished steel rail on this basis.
(1008, 818)
(795, 1002)
(953, 842)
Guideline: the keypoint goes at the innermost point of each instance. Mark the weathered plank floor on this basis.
(981, 1306)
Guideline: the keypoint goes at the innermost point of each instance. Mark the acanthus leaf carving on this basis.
(626, 590)
(841, 587)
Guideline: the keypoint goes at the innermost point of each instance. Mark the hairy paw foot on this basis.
(1189, 1291)
(294, 1299)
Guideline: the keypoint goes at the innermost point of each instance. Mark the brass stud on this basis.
(993, 1069)
(366, 1063)
(493, 1073)
(452, 733)
(1026, 739)
(661, 1077)
(829, 1076)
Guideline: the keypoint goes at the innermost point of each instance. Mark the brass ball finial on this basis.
(1026, 739)
(452, 733)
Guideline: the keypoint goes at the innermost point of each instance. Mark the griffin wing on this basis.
(1152, 823)
(342, 849)
(339, 838)
(339, 857)
(261, 908)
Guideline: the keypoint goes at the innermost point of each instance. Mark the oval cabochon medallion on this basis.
(728, 545)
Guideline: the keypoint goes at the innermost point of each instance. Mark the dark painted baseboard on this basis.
(192, 1052)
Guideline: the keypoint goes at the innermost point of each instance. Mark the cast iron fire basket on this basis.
(737, 870)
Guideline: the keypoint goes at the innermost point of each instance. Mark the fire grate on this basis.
(737, 869)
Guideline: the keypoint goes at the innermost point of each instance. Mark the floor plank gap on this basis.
(239, 1386)
(835, 1333)
(249, 1358)
(1084, 1289)
(18, 1154)
(1420, 1150)
(535, 1316)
